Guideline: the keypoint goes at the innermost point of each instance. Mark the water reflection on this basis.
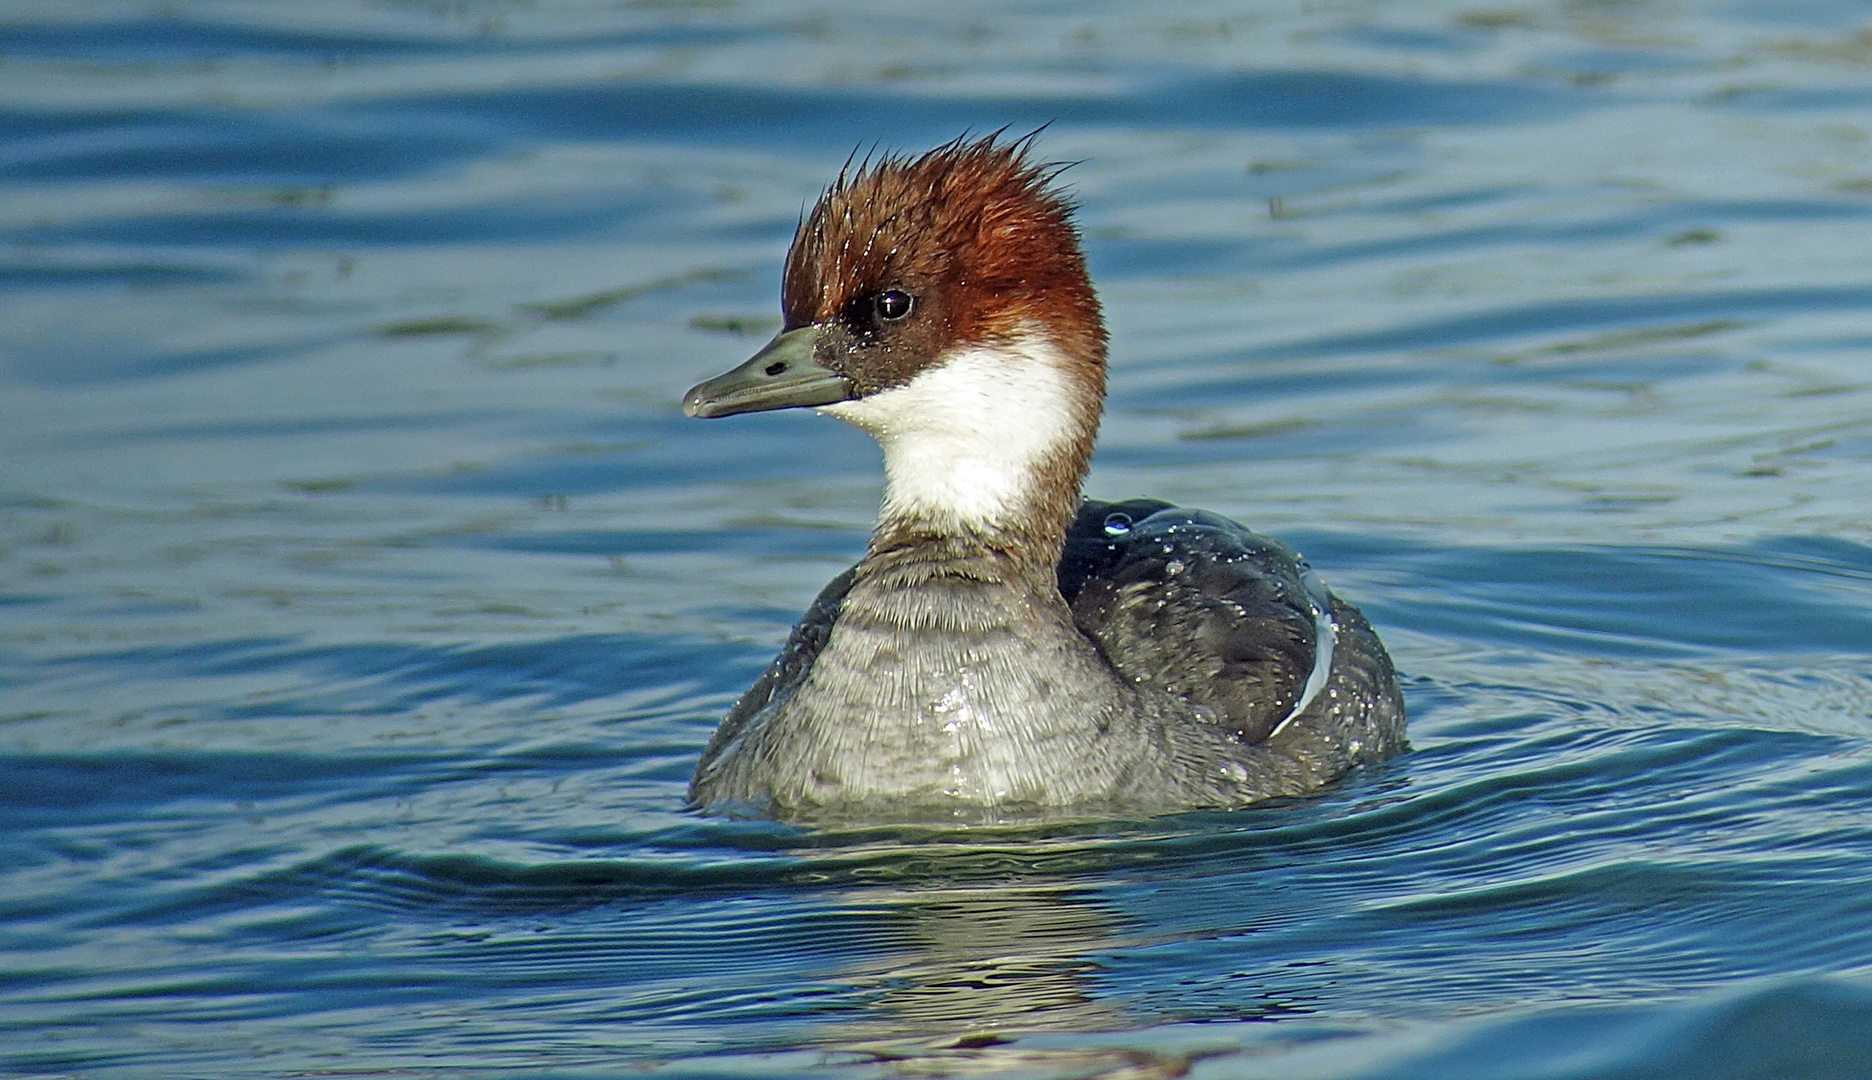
(989, 938)
(974, 968)
(977, 963)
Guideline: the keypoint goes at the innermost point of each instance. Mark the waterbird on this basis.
(1006, 648)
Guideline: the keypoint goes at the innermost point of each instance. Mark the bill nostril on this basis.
(775, 368)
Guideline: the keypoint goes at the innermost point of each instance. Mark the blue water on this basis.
(365, 600)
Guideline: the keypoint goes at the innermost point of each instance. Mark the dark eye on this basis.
(894, 304)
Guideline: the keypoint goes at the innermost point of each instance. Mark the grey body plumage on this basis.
(1134, 689)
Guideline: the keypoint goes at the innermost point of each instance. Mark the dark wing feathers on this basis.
(1194, 604)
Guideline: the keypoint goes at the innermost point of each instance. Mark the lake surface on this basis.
(365, 600)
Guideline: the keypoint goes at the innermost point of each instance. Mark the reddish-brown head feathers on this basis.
(974, 225)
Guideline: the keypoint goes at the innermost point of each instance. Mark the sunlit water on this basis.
(365, 600)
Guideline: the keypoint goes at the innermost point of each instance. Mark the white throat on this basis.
(962, 440)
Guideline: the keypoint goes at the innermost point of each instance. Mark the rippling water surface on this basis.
(365, 600)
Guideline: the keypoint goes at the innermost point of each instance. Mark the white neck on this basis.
(963, 439)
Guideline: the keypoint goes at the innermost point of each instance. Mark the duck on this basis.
(1006, 648)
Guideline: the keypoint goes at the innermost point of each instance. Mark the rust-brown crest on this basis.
(974, 224)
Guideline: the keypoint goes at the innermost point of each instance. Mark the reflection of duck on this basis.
(976, 950)
(1003, 648)
(964, 962)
